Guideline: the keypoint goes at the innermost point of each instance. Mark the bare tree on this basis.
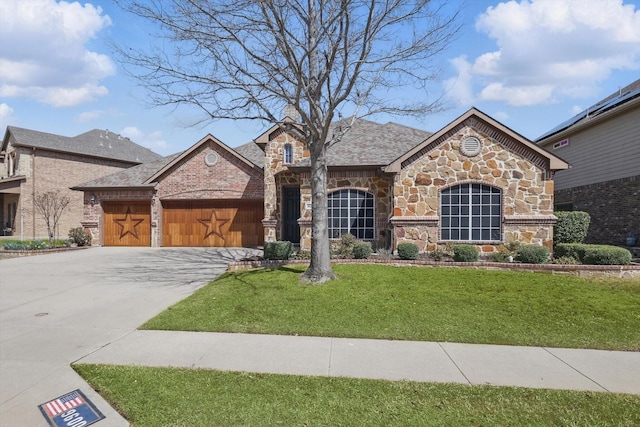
(247, 59)
(50, 206)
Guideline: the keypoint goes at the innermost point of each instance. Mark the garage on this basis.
(214, 223)
(126, 223)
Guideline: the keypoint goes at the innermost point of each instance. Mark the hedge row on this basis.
(594, 254)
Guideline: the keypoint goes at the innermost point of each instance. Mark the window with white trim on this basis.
(351, 212)
(288, 153)
(471, 212)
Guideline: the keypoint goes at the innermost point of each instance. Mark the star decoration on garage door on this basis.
(214, 225)
(128, 224)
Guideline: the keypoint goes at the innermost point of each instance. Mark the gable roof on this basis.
(146, 175)
(625, 97)
(95, 143)
(194, 147)
(491, 127)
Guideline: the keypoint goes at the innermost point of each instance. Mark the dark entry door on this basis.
(291, 213)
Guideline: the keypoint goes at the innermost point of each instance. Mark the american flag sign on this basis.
(63, 403)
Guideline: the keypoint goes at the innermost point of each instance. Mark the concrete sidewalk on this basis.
(556, 368)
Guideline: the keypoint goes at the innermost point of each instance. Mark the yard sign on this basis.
(70, 410)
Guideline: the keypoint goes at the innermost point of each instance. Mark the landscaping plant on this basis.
(465, 253)
(408, 251)
(278, 250)
(571, 227)
(533, 254)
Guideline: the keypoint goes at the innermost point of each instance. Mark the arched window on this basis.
(471, 212)
(351, 212)
(288, 153)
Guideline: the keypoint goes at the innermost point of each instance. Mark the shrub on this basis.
(79, 237)
(606, 255)
(362, 250)
(15, 245)
(573, 250)
(303, 254)
(344, 247)
(35, 245)
(501, 254)
(465, 253)
(594, 254)
(408, 250)
(566, 260)
(277, 250)
(571, 227)
(533, 254)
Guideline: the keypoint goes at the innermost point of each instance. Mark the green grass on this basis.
(157, 397)
(422, 304)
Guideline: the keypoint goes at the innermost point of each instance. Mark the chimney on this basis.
(291, 112)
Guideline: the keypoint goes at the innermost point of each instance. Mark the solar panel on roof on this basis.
(592, 111)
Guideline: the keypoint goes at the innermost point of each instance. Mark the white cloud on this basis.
(44, 56)
(153, 141)
(551, 48)
(6, 116)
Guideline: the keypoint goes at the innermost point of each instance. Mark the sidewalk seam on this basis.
(576, 370)
(102, 346)
(454, 363)
(330, 355)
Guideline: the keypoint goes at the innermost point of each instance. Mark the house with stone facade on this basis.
(602, 144)
(474, 181)
(33, 163)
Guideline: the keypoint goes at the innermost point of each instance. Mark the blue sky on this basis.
(530, 64)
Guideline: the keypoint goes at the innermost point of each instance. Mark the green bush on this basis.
(301, 254)
(571, 227)
(594, 254)
(533, 254)
(79, 237)
(465, 253)
(343, 248)
(408, 250)
(566, 260)
(573, 250)
(606, 255)
(277, 250)
(13, 245)
(362, 250)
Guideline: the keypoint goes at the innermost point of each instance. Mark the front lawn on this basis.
(418, 303)
(157, 397)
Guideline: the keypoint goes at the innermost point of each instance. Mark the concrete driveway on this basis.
(58, 308)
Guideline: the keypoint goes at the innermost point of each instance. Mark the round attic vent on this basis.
(470, 146)
(211, 159)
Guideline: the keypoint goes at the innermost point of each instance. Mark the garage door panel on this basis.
(126, 223)
(222, 223)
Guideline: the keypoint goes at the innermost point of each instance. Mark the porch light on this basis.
(92, 200)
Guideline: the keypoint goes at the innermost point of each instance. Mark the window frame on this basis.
(365, 225)
(471, 214)
(288, 154)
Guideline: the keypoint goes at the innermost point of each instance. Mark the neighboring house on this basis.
(602, 145)
(475, 181)
(33, 163)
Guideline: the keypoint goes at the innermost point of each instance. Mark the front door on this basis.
(290, 214)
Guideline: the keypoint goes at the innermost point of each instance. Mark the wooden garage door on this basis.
(127, 223)
(219, 223)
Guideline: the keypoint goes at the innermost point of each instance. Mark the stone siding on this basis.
(614, 207)
(277, 176)
(527, 193)
(368, 181)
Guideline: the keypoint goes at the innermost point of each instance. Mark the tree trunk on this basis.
(319, 270)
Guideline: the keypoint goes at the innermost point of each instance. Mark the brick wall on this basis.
(56, 171)
(228, 178)
(614, 207)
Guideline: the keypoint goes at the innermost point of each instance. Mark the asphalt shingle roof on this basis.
(131, 177)
(95, 143)
(371, 144)
(252, 152)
